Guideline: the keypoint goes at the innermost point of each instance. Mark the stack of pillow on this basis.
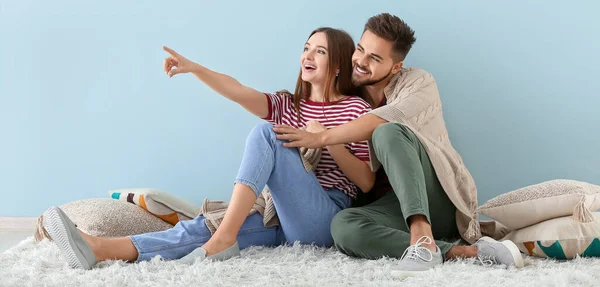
(128, 212)
(553, 219)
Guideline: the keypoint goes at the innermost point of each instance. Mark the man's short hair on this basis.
(395, 30)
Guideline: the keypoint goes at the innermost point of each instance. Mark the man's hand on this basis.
(299, 138)
(353, 131)
(176, 64)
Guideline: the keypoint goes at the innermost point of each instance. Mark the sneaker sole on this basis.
(512, 247)
(55, 227)
(516, 253)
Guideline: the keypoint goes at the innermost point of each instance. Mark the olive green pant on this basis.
(380, 228)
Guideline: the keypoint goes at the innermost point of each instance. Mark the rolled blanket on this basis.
(310, 157)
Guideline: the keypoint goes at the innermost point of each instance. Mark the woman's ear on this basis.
(337, 72)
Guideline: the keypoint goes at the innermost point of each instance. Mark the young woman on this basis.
(305, 201)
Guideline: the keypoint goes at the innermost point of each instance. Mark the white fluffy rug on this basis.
(41, 264)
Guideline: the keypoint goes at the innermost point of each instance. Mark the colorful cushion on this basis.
(108, 218)
(159, 203)
(548, 200)
(559, 238)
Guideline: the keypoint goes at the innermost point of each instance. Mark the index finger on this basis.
(284, 129)
(170, 51)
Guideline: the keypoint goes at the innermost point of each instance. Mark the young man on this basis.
(426, 196)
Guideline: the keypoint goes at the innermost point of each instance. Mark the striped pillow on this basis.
(159, 203)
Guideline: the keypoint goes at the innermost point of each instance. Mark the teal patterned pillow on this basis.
(559, 238)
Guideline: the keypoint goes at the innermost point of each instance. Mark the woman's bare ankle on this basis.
(95, 245)
(217, 244)
(111, 248)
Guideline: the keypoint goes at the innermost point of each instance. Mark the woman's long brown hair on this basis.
(340, 47)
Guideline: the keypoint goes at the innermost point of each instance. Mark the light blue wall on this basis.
(85, 107)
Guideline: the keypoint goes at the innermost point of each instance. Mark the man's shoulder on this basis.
(411, 74)
(409, 78)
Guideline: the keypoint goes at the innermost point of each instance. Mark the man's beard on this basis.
(369, 82)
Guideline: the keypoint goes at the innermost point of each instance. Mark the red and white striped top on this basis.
(329, 174)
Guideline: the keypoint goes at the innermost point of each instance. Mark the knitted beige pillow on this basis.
(107, 217)
(547, 200)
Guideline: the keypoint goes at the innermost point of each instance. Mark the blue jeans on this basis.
(304, 208)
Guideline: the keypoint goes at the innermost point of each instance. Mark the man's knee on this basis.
(347, 230)
(387, 136)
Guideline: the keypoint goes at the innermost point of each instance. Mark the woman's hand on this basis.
(176, 64)
(252, 100)
(315, 127)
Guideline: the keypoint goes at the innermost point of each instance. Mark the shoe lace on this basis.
(416, 251)
(487, 261)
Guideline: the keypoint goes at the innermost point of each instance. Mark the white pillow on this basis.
(548, 200)
(559, 238)
(108, 218)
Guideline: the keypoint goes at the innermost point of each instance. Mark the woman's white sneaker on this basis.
(491, 251)
(70, 242)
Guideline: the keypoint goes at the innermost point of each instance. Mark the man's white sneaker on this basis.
(491, 251)
(418, 259)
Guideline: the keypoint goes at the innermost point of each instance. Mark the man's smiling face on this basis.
(373, 60)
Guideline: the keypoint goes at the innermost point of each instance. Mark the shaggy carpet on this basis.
(41, 264)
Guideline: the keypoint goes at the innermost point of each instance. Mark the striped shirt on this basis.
(329, 174)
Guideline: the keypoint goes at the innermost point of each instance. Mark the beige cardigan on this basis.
(214, 210)
(413, 100)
